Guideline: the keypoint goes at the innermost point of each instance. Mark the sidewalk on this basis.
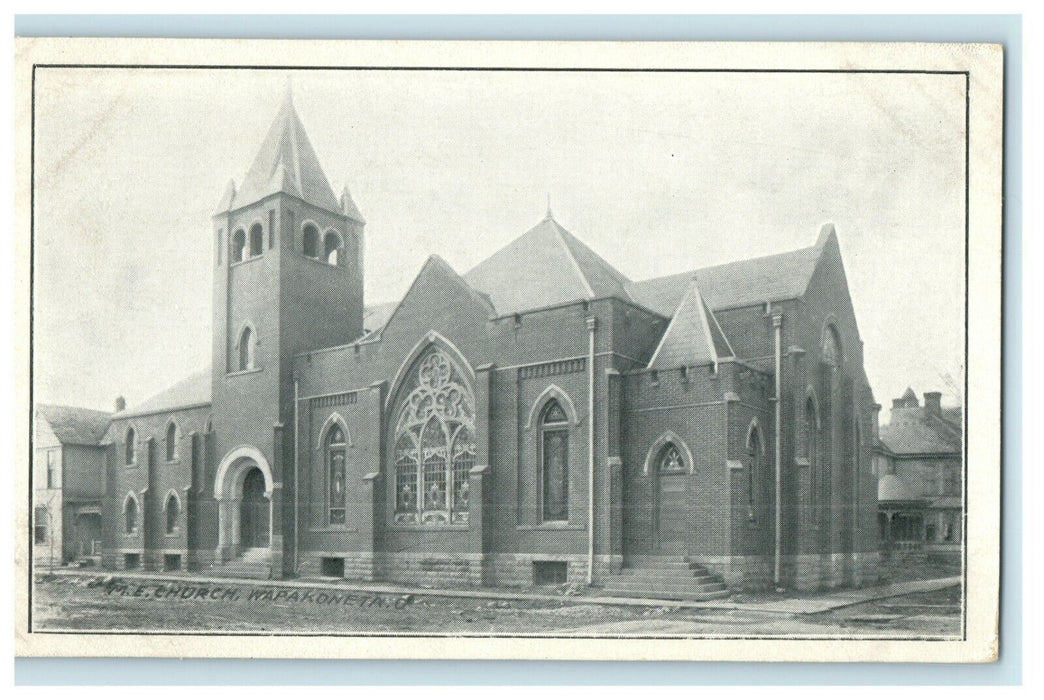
(815, 603)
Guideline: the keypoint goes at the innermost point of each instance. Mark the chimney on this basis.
(932, 403)
(121, 403)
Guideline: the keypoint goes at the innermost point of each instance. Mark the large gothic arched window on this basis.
(434, 444)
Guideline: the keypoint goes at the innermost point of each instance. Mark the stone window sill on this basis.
(551, 526)
(241, 372)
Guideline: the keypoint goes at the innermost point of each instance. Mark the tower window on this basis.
(257, 240)
(246, 349)
(238, 246)
(331, 246)
(310, 241)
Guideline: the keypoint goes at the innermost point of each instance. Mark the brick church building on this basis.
(538, 419)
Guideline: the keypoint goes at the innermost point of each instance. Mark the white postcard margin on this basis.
(984, 64)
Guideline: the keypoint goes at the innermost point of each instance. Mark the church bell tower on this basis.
(287, 280)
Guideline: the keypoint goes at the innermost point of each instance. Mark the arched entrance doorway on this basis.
(253, 511)
(243, 489)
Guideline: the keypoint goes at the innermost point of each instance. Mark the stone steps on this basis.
(666, 577)
(253, 563)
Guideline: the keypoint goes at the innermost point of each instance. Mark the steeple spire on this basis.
(287, 163)
(549, 215)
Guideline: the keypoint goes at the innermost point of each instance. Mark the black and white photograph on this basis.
(430, 345)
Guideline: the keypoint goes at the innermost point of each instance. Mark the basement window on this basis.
(332, 566)
(549, 573)
(131, 561)
(172, 562)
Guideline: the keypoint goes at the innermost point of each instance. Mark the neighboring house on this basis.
(541, 418)
(919, 463)
(68, 484)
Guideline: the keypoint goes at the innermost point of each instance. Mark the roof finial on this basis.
(549, 215)
(288, 96)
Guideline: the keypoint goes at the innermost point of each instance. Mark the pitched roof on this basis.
(193, 390)
(545, 266)
(693, 337)
(75, 426)
(741, 283)
(912, 430)
(286, 162)
(348, 207)
(891, 488)
(374, 317)
(377, 317)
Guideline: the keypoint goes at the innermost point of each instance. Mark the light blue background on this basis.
(1001, 29)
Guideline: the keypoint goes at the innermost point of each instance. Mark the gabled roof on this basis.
(434, 265)
(914, 431)
(193, 390)
(286, 162)
(75, 426)
(741, 283)
(693, 337)
(545, 266)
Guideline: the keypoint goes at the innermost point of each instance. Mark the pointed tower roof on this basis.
(286, 162)
(909, 394)
(547, 265)
(348, 207)
(693, 336)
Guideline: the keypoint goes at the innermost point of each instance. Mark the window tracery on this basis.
(434, 445)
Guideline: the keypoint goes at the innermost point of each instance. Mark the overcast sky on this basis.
(658, 173)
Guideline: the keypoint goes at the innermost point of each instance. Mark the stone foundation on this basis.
(516, 570)
(358, 566)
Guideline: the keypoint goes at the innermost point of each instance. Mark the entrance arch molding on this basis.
(234, 467)
(228, 491)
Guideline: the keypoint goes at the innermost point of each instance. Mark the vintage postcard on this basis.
(508, 350)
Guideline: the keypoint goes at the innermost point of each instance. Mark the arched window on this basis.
(257, 240)
(331, 247)
(811, 448)
(554, 462)
(831, 347)
(172, 441)
(238, 246)
(671, 460)
(337, 492)
(172, 514)
(246, 349)
(753, 470)
(128, 447)
(310, 241)
(434, 444)
(130, 515)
